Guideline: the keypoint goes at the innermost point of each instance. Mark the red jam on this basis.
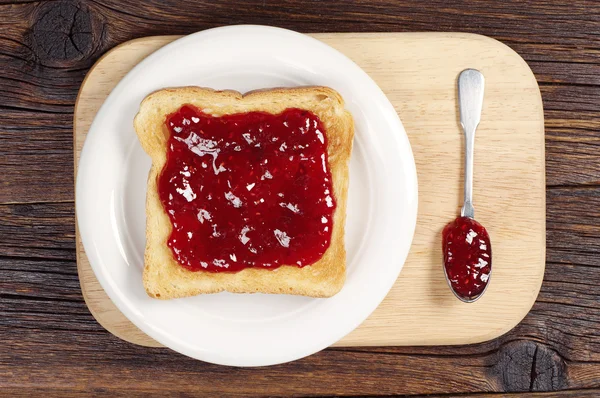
(247, 190)
(467, 256)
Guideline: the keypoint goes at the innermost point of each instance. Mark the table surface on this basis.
(50, 341)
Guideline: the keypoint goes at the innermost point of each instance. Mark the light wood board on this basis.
(418, 72)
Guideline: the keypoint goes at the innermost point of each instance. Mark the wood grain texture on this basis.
(53, 346)
(418, 73)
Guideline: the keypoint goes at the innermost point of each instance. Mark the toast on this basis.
(163, 276)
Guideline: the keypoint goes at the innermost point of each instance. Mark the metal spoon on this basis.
(466, 245)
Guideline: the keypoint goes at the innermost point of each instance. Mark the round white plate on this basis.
(245, 329)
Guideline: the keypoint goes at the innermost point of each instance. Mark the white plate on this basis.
(248, 330)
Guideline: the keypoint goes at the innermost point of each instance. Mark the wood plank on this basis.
(506, 365)
(330, 372)
(38, 230)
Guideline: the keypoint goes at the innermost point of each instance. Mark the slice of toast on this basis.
(163, 276)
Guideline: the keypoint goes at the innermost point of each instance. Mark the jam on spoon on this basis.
(465, 242)
(467, 256)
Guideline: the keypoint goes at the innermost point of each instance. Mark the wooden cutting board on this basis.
(418, 72)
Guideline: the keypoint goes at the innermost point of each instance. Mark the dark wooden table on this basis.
(49, 342)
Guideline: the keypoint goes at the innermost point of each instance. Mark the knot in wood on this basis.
(529, 366)
(65, 34)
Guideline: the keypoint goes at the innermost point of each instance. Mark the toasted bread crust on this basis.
(163, 277)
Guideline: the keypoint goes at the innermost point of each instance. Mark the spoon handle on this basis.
(470, 99)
